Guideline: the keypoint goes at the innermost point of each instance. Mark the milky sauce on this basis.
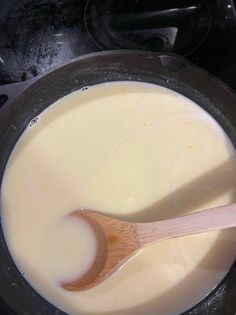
(135, 151)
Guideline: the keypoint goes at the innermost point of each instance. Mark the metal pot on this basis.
(28, 99)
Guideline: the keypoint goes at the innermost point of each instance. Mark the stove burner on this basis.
(179, 26)
(36, 36)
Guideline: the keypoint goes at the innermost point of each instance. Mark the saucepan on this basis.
(28, 99)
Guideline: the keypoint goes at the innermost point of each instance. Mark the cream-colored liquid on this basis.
(70, 248)
(135, 151)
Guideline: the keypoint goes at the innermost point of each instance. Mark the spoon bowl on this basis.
(116, 243)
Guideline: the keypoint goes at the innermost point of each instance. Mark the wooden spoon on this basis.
(118, 241)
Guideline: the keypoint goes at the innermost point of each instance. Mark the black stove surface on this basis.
(37, 35)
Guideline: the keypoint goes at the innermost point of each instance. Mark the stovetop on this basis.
(36, 36)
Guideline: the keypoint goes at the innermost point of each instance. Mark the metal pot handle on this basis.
(9, 92)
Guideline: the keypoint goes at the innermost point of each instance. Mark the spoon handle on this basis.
(207, 220)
